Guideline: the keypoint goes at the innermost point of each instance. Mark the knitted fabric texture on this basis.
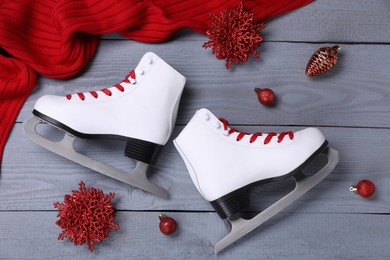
(57, 38)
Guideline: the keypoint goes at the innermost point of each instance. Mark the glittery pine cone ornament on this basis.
(322, 60)
(86, 216)
(234, 35)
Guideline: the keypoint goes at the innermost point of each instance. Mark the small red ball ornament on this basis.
(234, 35)
(364, 188)
(265, 96)
(86, 216)
(168, 225)
(322, 60)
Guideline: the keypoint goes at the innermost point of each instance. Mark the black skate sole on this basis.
(233, 202)
(137, 149)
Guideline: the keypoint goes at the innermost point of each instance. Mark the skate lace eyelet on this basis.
(206, 117)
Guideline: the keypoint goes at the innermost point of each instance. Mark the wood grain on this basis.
(356, 21)
(355, 93)
(33, 235)
(33, 178)
(350, 104)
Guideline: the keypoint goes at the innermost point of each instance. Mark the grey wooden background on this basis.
(351, 105)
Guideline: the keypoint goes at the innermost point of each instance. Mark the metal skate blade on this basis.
(241, 227)
(137, 177)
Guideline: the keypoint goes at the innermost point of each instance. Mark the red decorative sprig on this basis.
(86, 216)
(234, 35)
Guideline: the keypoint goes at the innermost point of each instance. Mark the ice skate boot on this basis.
(142, 110)
(224, 163)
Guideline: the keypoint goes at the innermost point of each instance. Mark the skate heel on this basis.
(140, 150)
(231, 203)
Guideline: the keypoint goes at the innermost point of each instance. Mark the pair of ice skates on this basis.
(223, 163)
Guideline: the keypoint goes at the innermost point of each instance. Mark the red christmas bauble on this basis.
(168, 225)
(364, 188)
(266, 96)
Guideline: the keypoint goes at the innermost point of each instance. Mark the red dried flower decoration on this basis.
(86, 216)
(234, 35)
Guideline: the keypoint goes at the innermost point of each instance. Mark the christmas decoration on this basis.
(234, 35)
(86, 216)
(266, 96)
(168, 225)
(364, 188)
(60, 39)
(322, 60)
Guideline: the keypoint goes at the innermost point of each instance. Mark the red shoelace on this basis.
(254, 136)
(130, 78)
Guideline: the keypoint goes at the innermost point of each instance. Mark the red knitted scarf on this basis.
(57, 38)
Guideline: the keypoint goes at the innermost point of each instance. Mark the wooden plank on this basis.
(323, 21)
(354, 93)
(350, 104)
(32, 178)
(33, 235)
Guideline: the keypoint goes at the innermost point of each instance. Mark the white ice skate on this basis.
(224, 163)
(142, 110)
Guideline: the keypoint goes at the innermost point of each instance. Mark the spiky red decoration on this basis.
(86, 216)
(234, 35)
